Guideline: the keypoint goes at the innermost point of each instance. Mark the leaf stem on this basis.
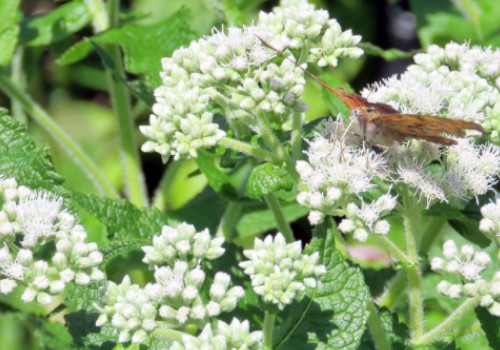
(275, 206)
(89, 168)
(376, 328)
(296, 136)
(120, 101)
(339, 240)
(274, 144)
(268, 328)
(393, 249)
(449, 322)
(246, 148)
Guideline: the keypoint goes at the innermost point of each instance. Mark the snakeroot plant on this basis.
(279, 213)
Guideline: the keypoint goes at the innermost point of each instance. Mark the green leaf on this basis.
(267, 178)
(234, 16)
(81, 324)
(9, 30)
(388, 55)
(20, 159)
(122, 219)
(466, 226)
(82, 297)
(490, 325)
(143, 46)
(119, 247)
(56, 25)
(334, 315)
(256, 220)
(217, 178)
(396, 332)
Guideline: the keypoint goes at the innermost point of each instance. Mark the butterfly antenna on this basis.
(332, 68)
(315, 77)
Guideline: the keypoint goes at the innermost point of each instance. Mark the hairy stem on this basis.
(411, 213)
(449, 322)
(89, 168)
(296, 136)
(246, 148)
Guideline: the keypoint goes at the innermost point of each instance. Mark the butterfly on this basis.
(382, 123)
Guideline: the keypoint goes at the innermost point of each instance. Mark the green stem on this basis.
(376, 328)
(398, 283)
(393, 249)
(296, 137)
(434, 226)
(18, 79)
(392, 294)
(160, 200)
(120, 101)
(229, 219)
(268, 328)
(100, 19)
(246, 148)
(411, 213)
(339, 240)
(89, 168)
(274, 144)
(275, 206)
(449, 322)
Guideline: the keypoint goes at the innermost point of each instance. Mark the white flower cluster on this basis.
(38, 218)
(455, 81)
(468, 264)
(182, 243)
(235, 336)
(173, 300)
(456, 171)
(279, 271)
(335, 171)
(362, 221)
(490, 223)
(232, 73)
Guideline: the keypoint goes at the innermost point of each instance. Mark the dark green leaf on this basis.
(267, 178)
(9, 30)
(122, 219)
(217, 178)
(467, 227)
(334, 315)
(119, 247)
(397, 333)
(20, 159)
(55, 25)
(143, 46)
(490, 325)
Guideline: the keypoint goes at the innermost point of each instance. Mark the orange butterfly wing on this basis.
(401, 126)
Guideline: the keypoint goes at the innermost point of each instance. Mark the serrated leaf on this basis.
(80, 324)
(143, 46)
(467, 227)
(122, 219)
(490, 325)
(54, 26)
(120, 247)
(20, 159)
(334, 315)
(82, 297)
(217, 178)
(267, 178)
(9, 30)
